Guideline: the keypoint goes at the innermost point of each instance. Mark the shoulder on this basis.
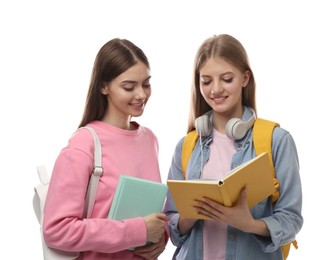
(82, 140)
(280, 134)
(148, 132)
(283, 141)
(187, 141)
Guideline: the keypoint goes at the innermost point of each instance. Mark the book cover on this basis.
(137, 197)
(255, 174)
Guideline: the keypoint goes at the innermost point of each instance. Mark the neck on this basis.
(221, 119)
(123, 123)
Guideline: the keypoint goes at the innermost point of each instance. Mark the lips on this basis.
(219, 98)
(137, 105)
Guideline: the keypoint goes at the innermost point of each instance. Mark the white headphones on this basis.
(235, 127)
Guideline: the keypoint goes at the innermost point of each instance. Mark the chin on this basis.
(137, 114)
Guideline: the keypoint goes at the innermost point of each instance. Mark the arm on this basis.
(286, 220)
(178, 228)
(185, 225)
(238, 216)
(63, 226)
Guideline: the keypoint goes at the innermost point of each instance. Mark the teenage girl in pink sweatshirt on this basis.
(119, 90)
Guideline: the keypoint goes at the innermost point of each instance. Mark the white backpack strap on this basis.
(97, 172)
(40, 192)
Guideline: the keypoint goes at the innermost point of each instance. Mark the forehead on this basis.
(217, 65)
(138, 72)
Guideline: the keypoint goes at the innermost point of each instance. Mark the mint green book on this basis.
(137, 197)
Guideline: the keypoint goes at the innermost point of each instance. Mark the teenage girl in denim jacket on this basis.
(224, 86)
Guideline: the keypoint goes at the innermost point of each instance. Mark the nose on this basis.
(141, 93)
(216, 87)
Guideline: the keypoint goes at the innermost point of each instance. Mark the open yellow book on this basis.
(255, 174)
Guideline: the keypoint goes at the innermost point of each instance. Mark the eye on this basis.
(147, 82)
(146, 85)
(128, 86)
(228, 80)
(204, 81)
(128, 89)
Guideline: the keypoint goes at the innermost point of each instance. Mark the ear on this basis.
(105, 90)
(247, 76)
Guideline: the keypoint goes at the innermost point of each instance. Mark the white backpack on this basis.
(40, 194)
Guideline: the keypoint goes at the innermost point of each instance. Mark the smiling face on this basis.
(127, 95)
(221, 86)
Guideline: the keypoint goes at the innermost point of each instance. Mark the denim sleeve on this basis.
(175, 173)
(286, 220)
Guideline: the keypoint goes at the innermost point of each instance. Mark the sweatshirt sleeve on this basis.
(63, 225)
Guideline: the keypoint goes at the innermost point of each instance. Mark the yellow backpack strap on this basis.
(262, 140)
(188, 146)
(286, 248)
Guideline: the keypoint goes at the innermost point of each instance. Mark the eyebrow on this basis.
(128, 81)
(223, 74)
(134, 81)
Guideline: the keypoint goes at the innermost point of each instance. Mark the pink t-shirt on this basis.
(133, 153)
(218, 165)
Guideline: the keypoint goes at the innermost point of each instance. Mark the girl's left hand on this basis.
(152, 251)
(238, 216)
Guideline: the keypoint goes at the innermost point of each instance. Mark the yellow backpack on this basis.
(262, 140)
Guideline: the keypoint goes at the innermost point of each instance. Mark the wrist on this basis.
(258, 227)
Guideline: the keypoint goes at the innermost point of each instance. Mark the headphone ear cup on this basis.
(202, 125)
(235, 129)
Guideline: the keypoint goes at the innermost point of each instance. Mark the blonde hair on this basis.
(230, 49)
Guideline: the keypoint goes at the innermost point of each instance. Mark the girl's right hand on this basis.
(156, 224)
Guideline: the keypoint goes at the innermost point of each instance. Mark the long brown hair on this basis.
(115, 57)
(230, 49)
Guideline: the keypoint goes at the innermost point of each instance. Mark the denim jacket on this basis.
(284, 220)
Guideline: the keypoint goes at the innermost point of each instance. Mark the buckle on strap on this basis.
(97, 171)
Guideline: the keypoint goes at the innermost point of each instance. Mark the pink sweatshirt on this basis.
(133, 153)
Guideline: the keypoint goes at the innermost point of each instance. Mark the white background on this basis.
(47, 49)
